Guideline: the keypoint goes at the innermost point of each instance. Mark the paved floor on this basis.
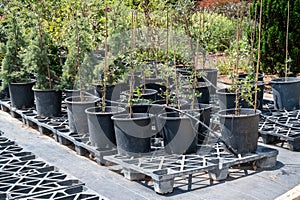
(241, 184)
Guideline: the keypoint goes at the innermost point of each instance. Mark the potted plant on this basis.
(100, 124)
(14, 73)
(43, 55)
(179, 131)
(133, 130)
(286, 91)
(78, 67)
(239, 126)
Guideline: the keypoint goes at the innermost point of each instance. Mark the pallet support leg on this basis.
(133, 175)
(81, 151)
(267, 162)
(164, 186)
(63, 140)
(219, 174)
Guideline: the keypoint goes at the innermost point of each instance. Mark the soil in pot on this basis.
(22, 95)
(133, 134)
(240, 131)
(179, 133)
(48, 102)
(101, 126)
(286, 93)
(77, 117)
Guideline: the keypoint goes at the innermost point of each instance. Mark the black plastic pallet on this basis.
(281, 127)
(82, 145)
(164, 168)
(74, 193)
(57, 127)
(23, 176)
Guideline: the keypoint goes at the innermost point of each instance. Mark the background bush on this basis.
(274, 24)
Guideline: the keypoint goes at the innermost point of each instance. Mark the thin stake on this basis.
(287, 42)
(131, 64)
(105, 61)
(258, 56)
(237, 61)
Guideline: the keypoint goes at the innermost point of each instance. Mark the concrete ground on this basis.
(108, 182)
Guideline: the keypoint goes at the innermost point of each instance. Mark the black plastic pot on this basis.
(133, 134)
(137, 80)
(48, 102)
(204, 111)
(260, 76)
(161, 89)
(5, 92)
(101, 126)
(227, 99)
(203, 89)
(70, 93)
(175, 105)
(76, 112)
(149, 94)
(240, 131)
(21, 95)
(179, 133)
(211, 76)
(286, 93)
(113, 92)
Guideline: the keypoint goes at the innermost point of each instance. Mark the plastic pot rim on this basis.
(91, 99)
(258, 112)
(90, 112)
(126, 117)
(23, 83)
(283, 81)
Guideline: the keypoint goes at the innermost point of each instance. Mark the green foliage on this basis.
(41, 53)
(82, 32)
(13, 69)
(274, 36)
(217, 31)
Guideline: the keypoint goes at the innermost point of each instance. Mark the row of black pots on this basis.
(133, 134)
(227, 124)
(179, 131)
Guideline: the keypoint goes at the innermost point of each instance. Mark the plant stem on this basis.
(78, 56)
(175, 73)
(287, 42)
(258, 55)
(105, 61)
(237, 62)
(131, 64)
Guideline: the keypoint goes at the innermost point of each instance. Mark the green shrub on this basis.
(274, 25)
